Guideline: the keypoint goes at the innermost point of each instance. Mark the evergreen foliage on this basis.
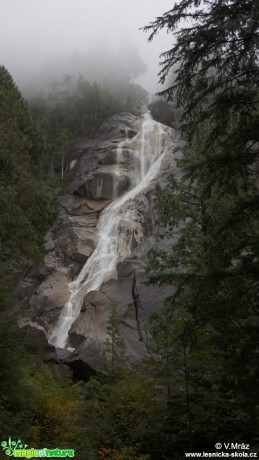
(23, 221)
(36, 405)
(31, 398)
(211, 214)
(199, 384)
(75, 108)
(214, 57)
(114, 349)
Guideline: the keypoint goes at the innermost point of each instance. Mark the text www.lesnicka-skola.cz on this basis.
(221, 454)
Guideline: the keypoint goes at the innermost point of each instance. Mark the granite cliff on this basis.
(121, 165)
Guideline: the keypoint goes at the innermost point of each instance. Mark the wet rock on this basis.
(49, 243)
(62, 355)
(127, 132)
(49, 298)
(116, 123)
(34, 336)
(103, 186)
(110, 159)
(101, 172)
(24, 289)
(162, 111)
(88, 356)
(97, 205)
(50, 263)
(92, 321)
(136, 349)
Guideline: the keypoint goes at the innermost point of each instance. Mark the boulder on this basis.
(87, 357)
(162, 111)
(24, 289)
(34, 336)
(49, 298)
(104, 186)
(97, 305)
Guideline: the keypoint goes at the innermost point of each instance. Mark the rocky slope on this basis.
(44, 291)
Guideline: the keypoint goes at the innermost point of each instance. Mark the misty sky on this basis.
(31, 31)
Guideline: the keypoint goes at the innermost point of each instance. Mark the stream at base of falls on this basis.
(116, 224)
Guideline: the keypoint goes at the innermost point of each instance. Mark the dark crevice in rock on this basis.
(137, 305)
(65, 362)
(80, 370)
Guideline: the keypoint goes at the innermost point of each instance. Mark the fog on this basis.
(45, 39)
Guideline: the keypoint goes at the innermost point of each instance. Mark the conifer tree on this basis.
(187, 368)
(21, 183)
(214, 263)
(114, 349)
(25, 215)
(214, 58)
(213, 266)
(214, 284)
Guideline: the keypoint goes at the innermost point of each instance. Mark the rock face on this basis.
(162, 112)
(100, 176)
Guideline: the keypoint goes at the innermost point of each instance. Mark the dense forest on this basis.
(199, 385)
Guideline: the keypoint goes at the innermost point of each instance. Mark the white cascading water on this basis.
(145, 151)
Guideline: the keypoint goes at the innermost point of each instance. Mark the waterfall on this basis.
(116, 224)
